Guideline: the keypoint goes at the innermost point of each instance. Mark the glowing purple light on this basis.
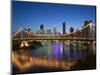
(57, 50)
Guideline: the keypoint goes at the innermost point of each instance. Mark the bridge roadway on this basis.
(50, 38)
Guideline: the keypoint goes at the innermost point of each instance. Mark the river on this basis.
(80, 52)
(59, 50)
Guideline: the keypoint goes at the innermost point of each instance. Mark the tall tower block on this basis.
(64, 27)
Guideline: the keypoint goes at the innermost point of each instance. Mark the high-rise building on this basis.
(87, 22)
(42, 31)
(41, 27)
(64, 27)
(54, 31)
(72, 29)
(49, 31)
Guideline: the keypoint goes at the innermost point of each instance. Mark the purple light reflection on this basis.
(57, 50)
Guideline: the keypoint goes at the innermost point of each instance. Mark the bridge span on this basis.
(87, 33)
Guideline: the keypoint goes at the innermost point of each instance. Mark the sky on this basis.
(52, 15)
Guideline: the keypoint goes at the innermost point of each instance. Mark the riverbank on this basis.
(31, 45)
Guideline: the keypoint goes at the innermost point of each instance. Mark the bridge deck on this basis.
(76, 39)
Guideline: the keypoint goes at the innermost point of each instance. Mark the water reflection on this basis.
(59, 50)
(59, 55)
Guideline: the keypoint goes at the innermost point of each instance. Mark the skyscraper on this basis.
(64, 27)
(49, 31)
(42, 31)
(41, 27)
(71, 29)
(54, 31)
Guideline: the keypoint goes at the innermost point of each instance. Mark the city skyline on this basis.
(52, 37)
(32, 15)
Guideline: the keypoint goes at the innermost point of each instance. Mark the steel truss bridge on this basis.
(86, 33)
